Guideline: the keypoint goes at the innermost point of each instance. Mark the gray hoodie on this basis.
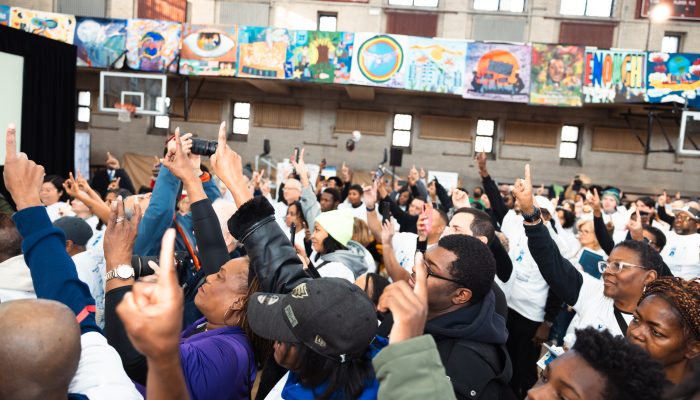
(353, 258)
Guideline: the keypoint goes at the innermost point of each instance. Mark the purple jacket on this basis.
(218, 364)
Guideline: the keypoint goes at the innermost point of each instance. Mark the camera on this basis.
(204, 147)
(141, 267)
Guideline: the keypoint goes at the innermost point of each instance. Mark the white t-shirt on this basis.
(332, 269)
(595, 310)
(91, 271)
(276, 392)
(100, 373)
(56, 209)
(359, 212)
(682, 254)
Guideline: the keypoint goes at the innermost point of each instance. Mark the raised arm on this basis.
(78, 189)
(601, 231)
(394, 269)
(498, 206)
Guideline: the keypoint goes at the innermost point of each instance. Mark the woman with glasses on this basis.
(600, 303)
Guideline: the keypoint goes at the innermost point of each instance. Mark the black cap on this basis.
(76, 229)
(331, 316)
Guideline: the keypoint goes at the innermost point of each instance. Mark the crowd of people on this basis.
(209, 284)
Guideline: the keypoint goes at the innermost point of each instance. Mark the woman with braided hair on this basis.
(667, 324)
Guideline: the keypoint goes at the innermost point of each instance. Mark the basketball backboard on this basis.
(146, 92)
(689, 137)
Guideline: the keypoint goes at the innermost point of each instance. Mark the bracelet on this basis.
(371, 209)
(533, 223)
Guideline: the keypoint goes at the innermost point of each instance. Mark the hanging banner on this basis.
(208, 50)
(556, 75)
(673, 77)
(5, 15)
(315, 56)
(152, 45)
(51, 25)
(435, 65)
(262, 52)
(100, 42)
(614, 76)
(498, 72)
(379, 60)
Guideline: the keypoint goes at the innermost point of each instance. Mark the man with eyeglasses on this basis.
(682, 250)
(605, 303)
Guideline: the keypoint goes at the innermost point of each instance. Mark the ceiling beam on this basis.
(362, 93)
(269, 86)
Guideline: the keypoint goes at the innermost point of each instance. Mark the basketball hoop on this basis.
(125, 111)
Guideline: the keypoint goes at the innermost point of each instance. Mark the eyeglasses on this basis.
(616, 266)
(434, 275)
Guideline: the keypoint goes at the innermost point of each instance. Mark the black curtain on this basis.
(48, 99)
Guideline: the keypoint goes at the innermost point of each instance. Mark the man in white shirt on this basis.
(682, 250)
(610, 201)
(291, 193)
(354, 203)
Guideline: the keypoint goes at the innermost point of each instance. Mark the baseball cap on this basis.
(693, 212)
(76, 229)
(331, 316)
(338, 224)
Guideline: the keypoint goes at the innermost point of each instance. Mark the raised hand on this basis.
(176, 160)
(460, 199)
(523, 192)
(112, 162)
(227, 165)
(663, 199)
(369, 194)
(594, 201)
(422, 173)
(408, 306)
(413, 176)
(72, 187)
(345, 173)
(23, 177)
(635, 227)
(120, 234)
(481, 162)
(114, 184)
(300, 167)
(387, 232)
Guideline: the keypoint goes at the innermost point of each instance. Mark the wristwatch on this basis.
(122, 271)
(532, 217)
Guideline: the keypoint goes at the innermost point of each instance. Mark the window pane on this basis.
(426, 3)
(401, 139)
(84, 99)
(327, 23)
(402, 121)
(490, 5)
(483, 143)
(484, 127)
(512, 5)
(241, 110)
(670, 44)
(599, 8)
(162, 121)
(569, 133)
(241, 126)
(83, 114)
(568, 150)
(400, 2)
(572, 7)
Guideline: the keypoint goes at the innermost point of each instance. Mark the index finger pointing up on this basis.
(10, 142)
(222, 135)
(528, 178)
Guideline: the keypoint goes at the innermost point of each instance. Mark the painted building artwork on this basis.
(54, 26)
(435, 65)
(614, 76)
(379, 60)
(5, 15)
(499, 72)
(673, 77)
(100, 42)
(556, 75)
(315, 56)
(208, 50)
(152, 45)
(262, 52)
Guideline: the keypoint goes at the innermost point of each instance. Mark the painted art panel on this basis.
(379, 60)
(152, 45)
(100, 42)
(673, 77)
(314, 56)
(614, 76)
(556, 72)
(208, 50)
(497, 72)
(51, 25)
(435, 65)
(262, 52)
(5, 15)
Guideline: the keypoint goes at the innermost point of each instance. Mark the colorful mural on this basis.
(673, 77)
(498, 72)
(556, 75)
(262, 52)
(614, 76)
(315, 56)
(208, 50)
(379, 60)
(100, 42)
(5, 15)
(435, 65)
(152, 45)
(54, 26)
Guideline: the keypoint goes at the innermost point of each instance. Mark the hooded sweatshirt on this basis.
(352, 259)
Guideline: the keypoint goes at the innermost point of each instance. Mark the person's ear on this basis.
(483, 239)
(650, 277)
(69, 245)
(461, 296)
(693, 349)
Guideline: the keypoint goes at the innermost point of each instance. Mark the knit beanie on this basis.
(338, 224)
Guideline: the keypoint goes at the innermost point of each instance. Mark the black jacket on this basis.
(100, 181)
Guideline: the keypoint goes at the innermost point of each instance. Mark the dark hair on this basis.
(648, 201)
(379, 283)
(262, 348)
(144, 189)
(333, 192)
(648, 257)
(478, 189)
(629, 371)
(569, 218)
(659, 237)
(299, 211)
(481, 224)
(330, 245)
(348, 378)
(57, 182)
(410, 195)
(475, 265)
(683, 296)
(11, 243)
(356, 188)
(443, 216)
(338, 181)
